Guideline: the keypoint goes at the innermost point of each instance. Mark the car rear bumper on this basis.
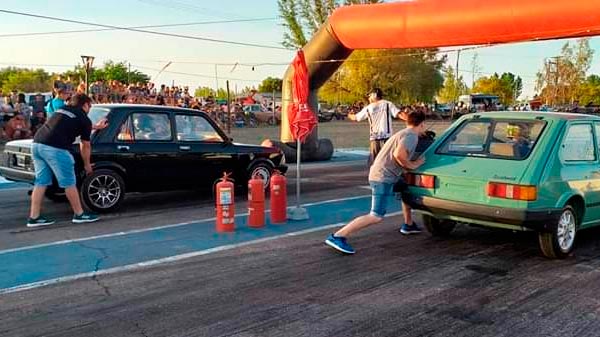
(538, 219)
(17, 175)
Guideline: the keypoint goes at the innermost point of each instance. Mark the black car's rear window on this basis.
(97, 113)
(491, 138)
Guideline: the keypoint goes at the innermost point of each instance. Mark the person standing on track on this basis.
(379, 112)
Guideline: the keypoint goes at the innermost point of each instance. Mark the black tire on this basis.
(271, 121)
(437, 227)
(103, 191)
(559, 242)
(264, 170)
(55, 194)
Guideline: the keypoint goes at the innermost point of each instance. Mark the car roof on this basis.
(534, 115)
(118, 106)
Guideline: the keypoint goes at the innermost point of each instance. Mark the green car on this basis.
(525, 171)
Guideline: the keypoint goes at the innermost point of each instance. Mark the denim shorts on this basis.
(381, 194)
(49, 160)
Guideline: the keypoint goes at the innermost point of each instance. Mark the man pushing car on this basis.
(393, 159)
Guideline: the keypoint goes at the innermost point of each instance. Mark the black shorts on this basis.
(374, 148)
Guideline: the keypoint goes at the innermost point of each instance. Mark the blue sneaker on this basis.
(410, 229)
(85, 217)
(339, 243)
(39, 222)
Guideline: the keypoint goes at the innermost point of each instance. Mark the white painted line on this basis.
(56, 243)
(175, 258)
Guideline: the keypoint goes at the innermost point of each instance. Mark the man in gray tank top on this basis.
(393, 159)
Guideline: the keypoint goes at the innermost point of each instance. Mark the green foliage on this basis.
(270, 84)
(110, 71)
(405, 76)
(589, 91)
(508, 87)
(452, 88)
(562, 77)
(24, 80)
(206, 92)
(302, 18)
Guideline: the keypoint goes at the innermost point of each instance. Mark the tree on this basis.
(270, 84)
(508, 87)
(110, 71)
(452, 88)
(25, 80)
(303, 18)
(204, 92)
(561, 78)
(589, 92)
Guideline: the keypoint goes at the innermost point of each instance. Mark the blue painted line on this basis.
(36, 264)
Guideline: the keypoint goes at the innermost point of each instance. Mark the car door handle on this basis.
(185, 148)
(123, 148)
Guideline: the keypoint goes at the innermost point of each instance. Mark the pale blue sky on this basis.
(149, 52)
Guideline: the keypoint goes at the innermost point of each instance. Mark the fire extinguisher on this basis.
(278, 191)
(225, 204)
(256, 202)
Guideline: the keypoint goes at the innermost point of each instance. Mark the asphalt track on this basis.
(281, 282)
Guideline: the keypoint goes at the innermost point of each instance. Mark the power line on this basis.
(183, 6)
(137, 27)
(198, 75)
(143, 30)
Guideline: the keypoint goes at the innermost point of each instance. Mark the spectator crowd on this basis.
(21, 115)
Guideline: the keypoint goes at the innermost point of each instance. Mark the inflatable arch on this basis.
(428, 24)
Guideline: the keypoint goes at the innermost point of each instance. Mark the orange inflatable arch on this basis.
(428, 24)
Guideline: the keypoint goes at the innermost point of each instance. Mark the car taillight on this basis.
(515, 192)
(420, 180)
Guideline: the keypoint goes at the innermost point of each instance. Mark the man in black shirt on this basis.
(51, 156)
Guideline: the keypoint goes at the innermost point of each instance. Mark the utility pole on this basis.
(553, 67)
(456, 86)
(228, 110)
(216, 82)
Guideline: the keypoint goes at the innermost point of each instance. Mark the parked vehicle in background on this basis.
(478, 102)
(522, 171)
(149, 149)
(262, 115)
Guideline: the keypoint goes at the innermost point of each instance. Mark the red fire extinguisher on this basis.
(256, 202)
(278, 198)
(225, 205)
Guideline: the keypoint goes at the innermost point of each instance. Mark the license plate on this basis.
(20, 162)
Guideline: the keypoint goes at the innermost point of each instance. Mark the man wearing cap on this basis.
(379, 112)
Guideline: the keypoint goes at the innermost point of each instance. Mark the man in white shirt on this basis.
(379, 112)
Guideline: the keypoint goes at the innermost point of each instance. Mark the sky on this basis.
(193, 61)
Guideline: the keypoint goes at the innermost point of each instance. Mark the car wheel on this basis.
(103, 190)
(271, 121)
(262, 170)
(437, 227)
(558, 243)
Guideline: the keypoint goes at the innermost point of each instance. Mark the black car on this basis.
(148, 149)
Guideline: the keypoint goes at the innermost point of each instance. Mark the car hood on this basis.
(19, 146)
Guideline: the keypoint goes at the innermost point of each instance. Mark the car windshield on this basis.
(97, 113)
(490, 138)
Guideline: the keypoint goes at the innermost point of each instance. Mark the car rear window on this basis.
(96, 114)
(490, 138)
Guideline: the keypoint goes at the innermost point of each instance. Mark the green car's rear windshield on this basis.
(493, 138)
